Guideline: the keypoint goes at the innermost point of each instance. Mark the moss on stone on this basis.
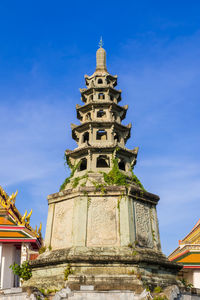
(73, 170)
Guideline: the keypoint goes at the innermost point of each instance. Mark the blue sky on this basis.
(46, 47)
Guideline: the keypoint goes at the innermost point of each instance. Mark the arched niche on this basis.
(88, 117)
(101, 96)
(101, 113)
(99, 81)
(116, 137)
(86, 137)
(103, 161)
(122, 165)
(101, 135)
(83, 164)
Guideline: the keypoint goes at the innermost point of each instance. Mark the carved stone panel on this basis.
(62, 225)
(155, 231)
(144, 236)
(103, 222)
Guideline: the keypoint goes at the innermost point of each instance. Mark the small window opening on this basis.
(103, 162)
(121, 165)
(114, 115)
(101, 96)
(100, 81)
(91, 97)
(86, 137)
(101, 113)
(101, 135)
(83, 164)
(116, 137)
(111, 97)
(88, 117)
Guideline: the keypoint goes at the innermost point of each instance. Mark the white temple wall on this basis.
(8, 257)
(196, 278)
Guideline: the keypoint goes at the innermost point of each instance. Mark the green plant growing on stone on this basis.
(118, 203)
(130, 245)
(157, 289)
(186, 284)
(115, 177)
(50, 247)
(42, 249)
(24, 271)
(68, 271)
(160, 298)
(134, 179)
(88, 201)
(73, 170)
(99, 186)
(76, 180)
(134, 253)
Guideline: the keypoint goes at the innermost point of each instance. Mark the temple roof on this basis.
(188, 251)
(13, 226)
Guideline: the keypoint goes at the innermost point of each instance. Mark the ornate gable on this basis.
(14, 226)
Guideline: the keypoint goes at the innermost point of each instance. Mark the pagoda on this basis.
(102, 227)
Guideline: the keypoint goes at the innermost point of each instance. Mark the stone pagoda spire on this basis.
(101, 59)
(101, 136)
(102, 225)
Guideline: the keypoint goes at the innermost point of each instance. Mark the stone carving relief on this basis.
(102, 222)
(143, 225)
(62, 225)
(155, 232)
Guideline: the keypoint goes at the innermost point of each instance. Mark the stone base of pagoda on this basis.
(103, 269)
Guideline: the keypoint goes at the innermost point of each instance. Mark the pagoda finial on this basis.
(101, 42)
(101, 58)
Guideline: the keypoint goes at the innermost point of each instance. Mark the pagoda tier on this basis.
(102, 93)
(116, 113)
(99, 158)
(95, 132)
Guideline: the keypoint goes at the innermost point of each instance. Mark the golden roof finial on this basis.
(12, 198)
(28, 217)
(40, 228)
(24, 217)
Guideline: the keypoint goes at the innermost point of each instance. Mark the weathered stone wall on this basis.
(93, 217)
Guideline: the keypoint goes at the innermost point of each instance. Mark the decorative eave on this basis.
(100, 124)
(101, 74)
(190, 243)
(190, 259)
(193, 235)
(111, 148)
(18, 234)
(77, 129)
(87, 107)
(90, 90)
(7, 204)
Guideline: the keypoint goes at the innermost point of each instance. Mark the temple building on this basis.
(17, 239)
(102, 225)
(188, 254)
